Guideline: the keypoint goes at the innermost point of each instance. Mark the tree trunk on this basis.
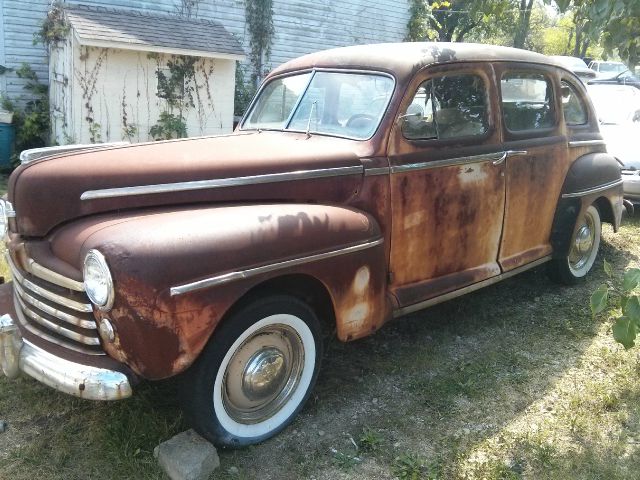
(524, 18)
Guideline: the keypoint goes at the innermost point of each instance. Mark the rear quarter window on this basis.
(527, 101)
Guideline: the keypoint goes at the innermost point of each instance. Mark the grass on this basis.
(516, 381)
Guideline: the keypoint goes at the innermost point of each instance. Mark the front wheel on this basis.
(583, 250)
(256, 373)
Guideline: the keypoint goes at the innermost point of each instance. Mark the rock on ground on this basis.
(187, 456)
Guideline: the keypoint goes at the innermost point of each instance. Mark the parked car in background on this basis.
(606, 69)
(618, 109)
(576, 65)
(363, 183)
(624, 78)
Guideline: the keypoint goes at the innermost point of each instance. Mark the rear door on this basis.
(536, 169)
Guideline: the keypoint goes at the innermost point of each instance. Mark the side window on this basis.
(527, 101)
(575, 111)
(450, 106)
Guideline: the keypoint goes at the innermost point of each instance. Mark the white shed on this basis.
(126, 75)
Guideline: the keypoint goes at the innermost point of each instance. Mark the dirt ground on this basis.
(513, 381)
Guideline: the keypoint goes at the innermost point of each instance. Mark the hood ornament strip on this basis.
(221, 182)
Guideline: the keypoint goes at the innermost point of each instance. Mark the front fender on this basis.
(160, 332)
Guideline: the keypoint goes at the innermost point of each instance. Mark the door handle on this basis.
(501, 159)
(507, 154)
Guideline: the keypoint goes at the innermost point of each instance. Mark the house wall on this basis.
(106, 95)
(300, 26)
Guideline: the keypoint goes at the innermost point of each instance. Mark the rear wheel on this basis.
(583, 250)
(256, 372)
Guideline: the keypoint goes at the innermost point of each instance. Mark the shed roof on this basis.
(135, 30)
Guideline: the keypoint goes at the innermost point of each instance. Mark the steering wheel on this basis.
(360, 121)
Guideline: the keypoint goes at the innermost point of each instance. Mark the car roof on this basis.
(408, 57)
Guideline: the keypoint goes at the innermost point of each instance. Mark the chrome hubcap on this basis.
(263, 374)
(582, 244)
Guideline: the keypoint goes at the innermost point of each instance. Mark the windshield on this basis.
(612, 67)
(333, 103)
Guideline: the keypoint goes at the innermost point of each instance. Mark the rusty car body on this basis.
(364, 183)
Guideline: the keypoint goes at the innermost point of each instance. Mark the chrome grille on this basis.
(55, 308)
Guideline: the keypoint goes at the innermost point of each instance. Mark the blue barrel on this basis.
(7, 136)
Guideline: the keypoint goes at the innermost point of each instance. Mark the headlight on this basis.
(97, 280)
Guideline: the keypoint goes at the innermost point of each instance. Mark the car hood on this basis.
(54, 190)
(622, 143)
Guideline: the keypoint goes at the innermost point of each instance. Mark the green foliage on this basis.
(177, 88)
(627, 325)
(413, 467)
(32, 123)
(53, 29)
(454, 20)
(244, 92)
(259, 17)
(169, 126)
(369, 441)
(616, 23)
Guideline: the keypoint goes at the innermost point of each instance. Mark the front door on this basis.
(447, 183)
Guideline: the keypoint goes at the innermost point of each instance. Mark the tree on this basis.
(453, 20)
(618, 22)
(524, 19)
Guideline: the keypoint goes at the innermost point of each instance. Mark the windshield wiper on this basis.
(313, 105)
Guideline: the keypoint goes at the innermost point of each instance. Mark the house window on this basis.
(170, 84)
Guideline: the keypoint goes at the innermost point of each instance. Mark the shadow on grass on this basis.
(435, 383)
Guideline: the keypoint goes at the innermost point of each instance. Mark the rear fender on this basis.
(593, 179)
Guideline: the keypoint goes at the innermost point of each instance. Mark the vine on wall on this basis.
(87, 81)
(259, 17)
(54, 29)
(178, 86)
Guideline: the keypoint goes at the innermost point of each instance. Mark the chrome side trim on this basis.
(370, 172)
(79, 380)
(221, 182)
(44, 273)
(252, 272)
(586, 143)
(597, 189)
(71, 319)
(449, 162)
(468, 289)
(66, 302)
(34, 154)
(54, 327)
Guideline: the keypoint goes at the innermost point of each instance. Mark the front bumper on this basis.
(19, 355)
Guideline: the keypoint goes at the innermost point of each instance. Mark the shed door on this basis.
(447, 184)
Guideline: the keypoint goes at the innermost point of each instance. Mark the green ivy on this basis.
(620, 292)
(169, 126)
(53, 29)
(259, 16)
(32, 123)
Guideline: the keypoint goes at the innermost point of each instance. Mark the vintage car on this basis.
(364, 183)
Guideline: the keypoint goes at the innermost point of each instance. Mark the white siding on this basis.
(20, 20)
